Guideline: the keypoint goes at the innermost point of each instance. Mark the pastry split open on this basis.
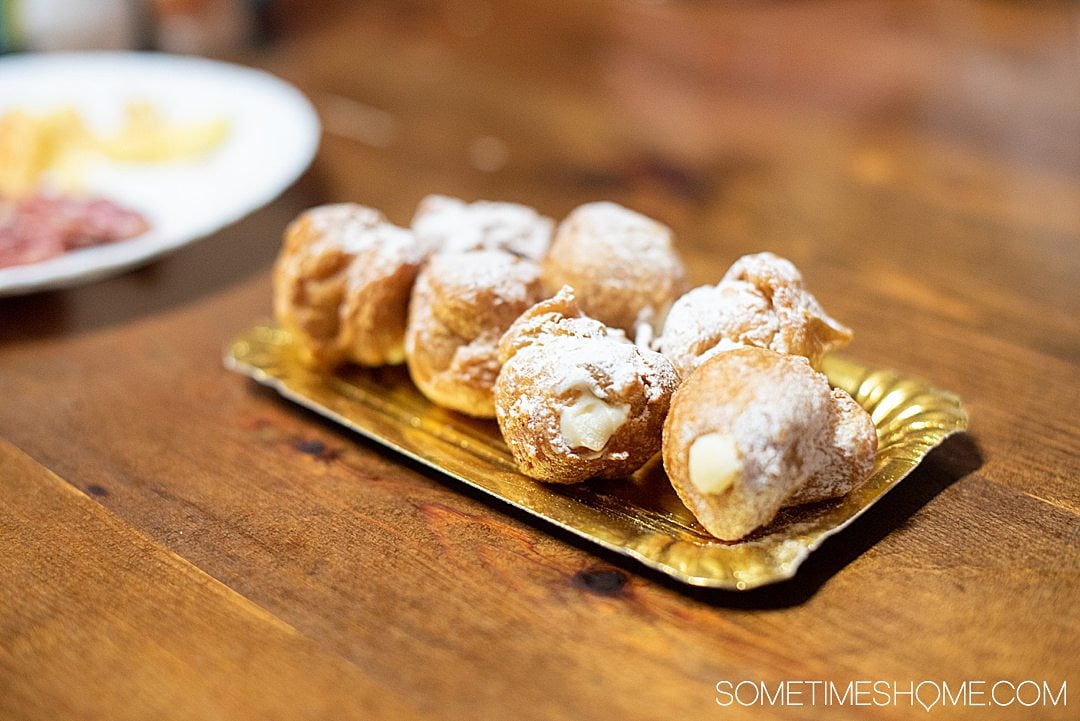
(752, 430)
(575, 400)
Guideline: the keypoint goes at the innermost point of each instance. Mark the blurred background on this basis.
(815, 128)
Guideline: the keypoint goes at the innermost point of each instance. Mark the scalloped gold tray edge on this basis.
(640, 517)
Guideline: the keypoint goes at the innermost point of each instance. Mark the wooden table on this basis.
(179, 543)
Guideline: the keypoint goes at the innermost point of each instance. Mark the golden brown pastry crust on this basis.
(761, 301)
(785, 437)
(462, 304)
(342, 284)
(559, 315)
(621, 265)
(561, 369)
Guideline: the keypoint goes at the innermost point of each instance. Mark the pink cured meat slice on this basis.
(45, 226)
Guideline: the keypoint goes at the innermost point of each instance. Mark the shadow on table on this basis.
(955, 458)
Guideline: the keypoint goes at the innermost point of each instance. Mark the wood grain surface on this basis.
(207, 550)
(91, 602)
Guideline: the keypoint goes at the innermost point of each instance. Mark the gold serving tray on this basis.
(641, 516)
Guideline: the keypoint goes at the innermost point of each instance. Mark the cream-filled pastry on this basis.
(452, 225)
(575, 400)
(342, 283)
(621, 264)
(751, 431)
(462, 304)
(761, 301)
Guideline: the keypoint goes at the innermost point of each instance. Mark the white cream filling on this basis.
(589, 422)
(714, 463)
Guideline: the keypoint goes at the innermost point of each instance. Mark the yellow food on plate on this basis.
(31, 145)
(55, 148)
(146, 136)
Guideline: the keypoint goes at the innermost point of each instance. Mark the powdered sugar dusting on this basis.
(342, 284)
(791, 429)
(374, 245)
(462, 304)
(452, 225)
(558, 315)
(550, 361)
(622, 264)
(762, 302)
(632, 237)
(476, 276)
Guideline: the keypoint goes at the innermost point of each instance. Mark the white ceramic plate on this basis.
(273, 135)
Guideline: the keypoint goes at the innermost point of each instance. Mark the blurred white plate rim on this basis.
(273, 136)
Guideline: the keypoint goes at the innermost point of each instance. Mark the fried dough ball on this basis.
(621, 264)
(342, 283)
(761, 301)
(461, 305)
(575, 400)
(751, 431)
(452, 225)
